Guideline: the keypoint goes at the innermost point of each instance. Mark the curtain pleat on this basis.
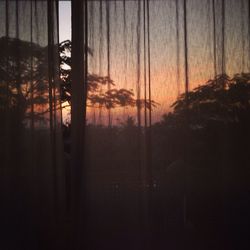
(32, 173)
(159, 134)
(153, 144)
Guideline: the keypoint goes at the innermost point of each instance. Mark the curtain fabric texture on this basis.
(166, 105)
(31, 144)
(159, 134)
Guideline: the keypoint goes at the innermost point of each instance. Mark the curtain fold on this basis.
(159, 144)
(32, 174)
(161, 120)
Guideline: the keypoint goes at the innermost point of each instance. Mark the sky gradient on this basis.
(118, 33)
(64, 20)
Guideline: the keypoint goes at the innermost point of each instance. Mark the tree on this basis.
(97, 97)
(223, 99)
(24, 81)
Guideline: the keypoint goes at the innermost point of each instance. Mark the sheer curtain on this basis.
(161, 166)
(30, 148)
(159, 126)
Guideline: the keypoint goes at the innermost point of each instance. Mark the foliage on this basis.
(222, 99)
(24, 77)
(95, 82)
(97, 96)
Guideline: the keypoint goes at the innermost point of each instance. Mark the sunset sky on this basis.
(64, 20)
(167, 50)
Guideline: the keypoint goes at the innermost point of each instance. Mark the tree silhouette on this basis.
(210, 128)
(97, 97)
(24, 79)
(223, 99)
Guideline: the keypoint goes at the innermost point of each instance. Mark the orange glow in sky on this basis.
(128, 52)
